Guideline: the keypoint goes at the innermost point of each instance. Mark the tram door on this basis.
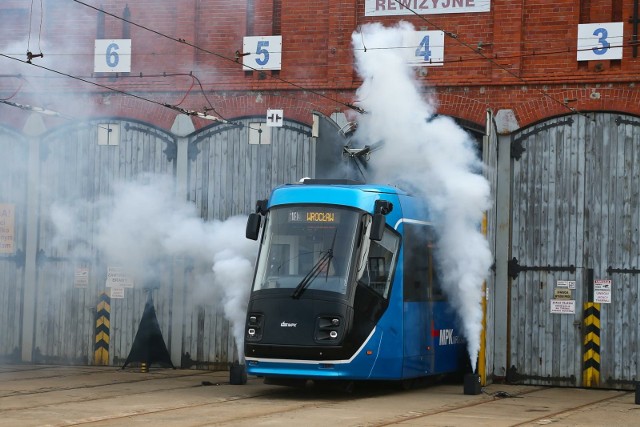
(421, 294)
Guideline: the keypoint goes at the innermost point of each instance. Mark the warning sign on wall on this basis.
(117, 292)
(7, 228)
(118, 278)
(561, 293)
(602, 291)
(563, 306)
(571, 284)
(81, 277)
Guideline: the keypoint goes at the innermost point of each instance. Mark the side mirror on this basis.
(377, 227)
(253, 226)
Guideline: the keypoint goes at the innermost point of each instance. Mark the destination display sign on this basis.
(316, 215)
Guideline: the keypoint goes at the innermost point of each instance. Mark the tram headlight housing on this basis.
(253, 331)
(329, 329)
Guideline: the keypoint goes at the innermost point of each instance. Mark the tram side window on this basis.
(380, 263)
(420, 277)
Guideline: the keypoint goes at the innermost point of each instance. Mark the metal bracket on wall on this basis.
(514, 268)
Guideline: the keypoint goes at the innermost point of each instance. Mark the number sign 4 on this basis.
(424, 48)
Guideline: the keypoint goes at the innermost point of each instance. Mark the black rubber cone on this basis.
(149, 346)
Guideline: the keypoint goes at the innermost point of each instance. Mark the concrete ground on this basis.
(36, 395)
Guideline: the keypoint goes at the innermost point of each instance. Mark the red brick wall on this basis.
(527, 62)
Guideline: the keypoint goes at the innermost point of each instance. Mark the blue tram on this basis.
(345, 287)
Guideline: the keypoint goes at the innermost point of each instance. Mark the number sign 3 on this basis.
(112, 56)
(600, 41)
(262, 53)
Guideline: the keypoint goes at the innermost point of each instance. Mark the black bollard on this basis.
(638, 393)
(237, 374)
(472, 384)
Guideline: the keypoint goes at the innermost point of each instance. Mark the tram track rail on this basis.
(99, 397)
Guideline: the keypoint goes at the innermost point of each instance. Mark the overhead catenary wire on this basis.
(502, 67)
(30, 55)
(43, 111)
(349, 105)
(211, 108)
(495, 56)
(221, 56)
(204, 115)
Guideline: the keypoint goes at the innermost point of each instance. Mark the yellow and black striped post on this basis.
(103, 314)
(591, 365)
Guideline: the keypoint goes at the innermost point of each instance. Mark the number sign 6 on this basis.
(112, 56)
(262, 53)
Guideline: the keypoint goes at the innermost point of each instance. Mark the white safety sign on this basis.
(118, 278)
(81, 277)
(571, 284)
(275, 118)
(602, 291)
(563, 306)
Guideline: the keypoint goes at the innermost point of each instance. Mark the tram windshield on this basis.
(307, 247)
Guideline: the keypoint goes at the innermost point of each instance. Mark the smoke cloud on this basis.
(432, 156)
(143, 224)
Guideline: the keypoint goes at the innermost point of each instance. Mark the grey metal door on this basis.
(575, 218)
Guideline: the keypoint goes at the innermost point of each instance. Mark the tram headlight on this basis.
(329, 329)
(254, 327)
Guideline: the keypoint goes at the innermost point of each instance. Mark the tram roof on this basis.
(337, 192)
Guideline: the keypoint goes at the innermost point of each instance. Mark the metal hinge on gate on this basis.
(517, 146)
(18, 257)
(634, 270)
(621, 121)
(514, 268)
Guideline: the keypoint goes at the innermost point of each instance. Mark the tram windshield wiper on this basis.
(323, 263)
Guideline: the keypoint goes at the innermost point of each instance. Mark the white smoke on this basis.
(143, 224)
(435, 157)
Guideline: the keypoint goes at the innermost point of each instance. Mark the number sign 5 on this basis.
(262, 53)
(112, 56)
(600, 41)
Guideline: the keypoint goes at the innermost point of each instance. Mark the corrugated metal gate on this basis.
(575, 217)
(490, 160)
(13, 193)
(226, 176)
(75, 170)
